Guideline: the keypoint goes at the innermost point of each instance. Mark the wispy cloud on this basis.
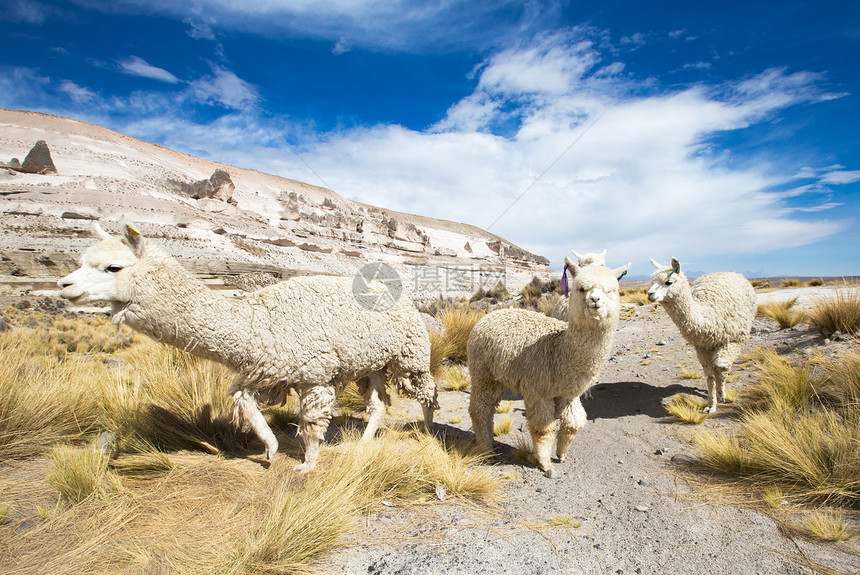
(225, 88)
(137, 66)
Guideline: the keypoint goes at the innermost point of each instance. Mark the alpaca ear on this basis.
(622, 271)
(574, 268)
(99, 231)
(655, 263)
(577, 255)
(676, 266)
(133, 237)
(603, 254)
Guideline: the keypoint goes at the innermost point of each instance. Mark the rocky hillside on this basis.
(224, 222)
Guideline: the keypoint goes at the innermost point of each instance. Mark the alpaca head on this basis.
(589, 259)
(594, 291)
(105, 266)
(665, 281)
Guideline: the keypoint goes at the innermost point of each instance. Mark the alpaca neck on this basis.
(173, 307)
(589, 342)
(684, 310)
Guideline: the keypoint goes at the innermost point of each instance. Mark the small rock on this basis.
(106, 442)
(551, 473)
(659, 452)
(643, 482)
(661, 342)
(642, 508)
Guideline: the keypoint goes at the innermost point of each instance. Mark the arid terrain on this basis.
(632, 506)
(624, 502)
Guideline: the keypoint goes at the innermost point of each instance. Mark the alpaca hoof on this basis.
(550, 473)
(303, 468)
(562, 457)
(710, 410)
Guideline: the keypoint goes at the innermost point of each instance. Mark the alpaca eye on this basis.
(582, 290)
(669, 282)
(113, 269)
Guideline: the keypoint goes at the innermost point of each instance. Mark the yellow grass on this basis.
(795, 433)
(688, 373)
(454, 378)
(638, 296)
(686, 408)
(782, 312)
(504, 407)
(503, 426)
(157, 508)
(840, 312)
(457, 324)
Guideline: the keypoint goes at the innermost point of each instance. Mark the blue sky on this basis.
(727, 136)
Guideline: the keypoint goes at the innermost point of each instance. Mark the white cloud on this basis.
(78, 94)
(136, 66)
(225, 88)
(841, 177)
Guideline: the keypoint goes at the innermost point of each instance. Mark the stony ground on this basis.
(631, 510)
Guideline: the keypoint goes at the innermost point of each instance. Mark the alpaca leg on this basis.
(720, 380)
(316, 408)
(573, 418)
(376, 398)
(483, 399)
(712, 395)
(245, 407)
(540, 415)
(427, 396)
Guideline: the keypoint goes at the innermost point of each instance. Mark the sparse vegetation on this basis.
(161, 493)
(457, 324)
(791, 282)
(761, 284)
(503, 426)
(686, 408)
(638, 296)
(454, 378)
(782, 312)
(840, 313)
(688, 373)
(796, 433)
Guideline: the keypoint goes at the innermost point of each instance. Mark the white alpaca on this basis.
(307, 333)
(714, 314)
(550, 362)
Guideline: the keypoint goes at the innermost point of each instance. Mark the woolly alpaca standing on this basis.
(550, 362)
(307, 333)
(559, 310)
(714, 314)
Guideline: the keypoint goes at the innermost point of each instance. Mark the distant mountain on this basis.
(222, 221)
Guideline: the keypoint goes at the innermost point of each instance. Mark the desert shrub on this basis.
(457, 324)
(454, 378)
(496, 294)
(790, 282)
(841, 312)
(815, 282)
(796, 433)
(78, 473)
(782, 312)
(761, 284)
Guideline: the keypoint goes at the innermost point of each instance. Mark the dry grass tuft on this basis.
(457, 324)
(826, 525)
(503, 426)
(840, 313)
(454, 378)
(686, 408)
(795, 433)
(781, 312)
(79, 473)
(504, 407)
(688, 373)
(791, 282)
(637, 296)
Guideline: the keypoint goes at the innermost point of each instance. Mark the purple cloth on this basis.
(564, 280)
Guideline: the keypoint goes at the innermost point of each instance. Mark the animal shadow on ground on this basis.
(624, 398)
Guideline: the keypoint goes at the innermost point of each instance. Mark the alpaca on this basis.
(559, 310)
(550, 362)
(714, 314)
(307, 333)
